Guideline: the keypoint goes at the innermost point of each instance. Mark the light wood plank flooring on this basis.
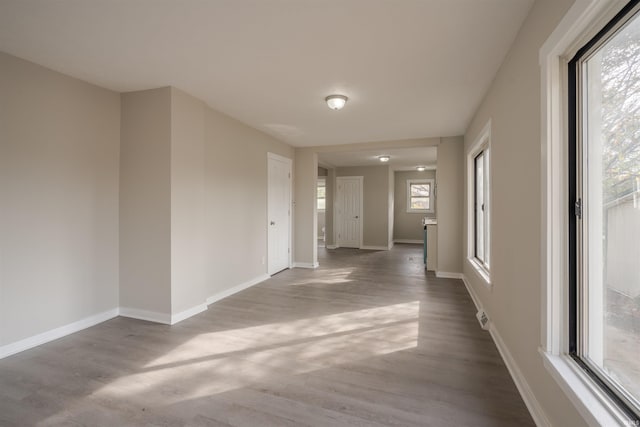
(368, 339)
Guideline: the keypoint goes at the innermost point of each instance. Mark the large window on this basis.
(604, 193)
(419, 195)
(479, 204)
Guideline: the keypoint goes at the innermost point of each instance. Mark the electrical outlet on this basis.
(483, 319)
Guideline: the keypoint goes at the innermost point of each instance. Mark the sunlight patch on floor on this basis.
(332, 276)
(215, 362)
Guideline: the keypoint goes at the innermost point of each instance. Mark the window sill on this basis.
(480, 271)
(596, 408)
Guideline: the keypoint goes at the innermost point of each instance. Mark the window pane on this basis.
(321, 204)
(321, 192)
(479, 208)
(420, 190)
(485, 211)
(611, 85)
(419, 203)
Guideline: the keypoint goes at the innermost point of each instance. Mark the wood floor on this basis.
(368, 339)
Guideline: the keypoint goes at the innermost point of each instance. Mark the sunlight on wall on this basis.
(215, 362)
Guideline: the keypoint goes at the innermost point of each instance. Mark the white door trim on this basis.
(338, 217)
(289, 162)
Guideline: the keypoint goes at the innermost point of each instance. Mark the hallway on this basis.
(366, 339)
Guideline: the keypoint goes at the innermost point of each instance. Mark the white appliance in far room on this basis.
(431, 226)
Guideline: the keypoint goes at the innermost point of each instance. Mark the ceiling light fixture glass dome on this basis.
(336, 102)
(384, 159)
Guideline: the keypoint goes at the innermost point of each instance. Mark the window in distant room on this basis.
(420, 195)
(321, 196)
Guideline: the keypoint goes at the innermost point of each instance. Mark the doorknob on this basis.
(356, 217)
(273, 223)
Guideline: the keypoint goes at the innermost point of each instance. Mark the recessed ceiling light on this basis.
(384, 159)
(336, 102)
(421, 168)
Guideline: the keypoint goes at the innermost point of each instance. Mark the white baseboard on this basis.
(237, 288)
(150, 316)
(472, 293)
(390, 245)
(331, 246)
(448, 275)
(415, 242)
(134, 313)
(305, 265)
(185, 314)
(538, 415)
(374, 248)
(54, 334)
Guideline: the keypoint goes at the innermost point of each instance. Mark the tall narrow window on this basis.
(321, 196)
(479, 204)
(481, 208)
(605, 214)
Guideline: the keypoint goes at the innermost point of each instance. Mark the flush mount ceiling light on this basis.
(421, 168)
(384, 159)
(336, 102)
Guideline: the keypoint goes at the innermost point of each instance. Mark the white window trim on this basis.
(578, 26)
(481, 143)
(431, 183)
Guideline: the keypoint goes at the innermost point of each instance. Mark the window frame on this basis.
(431, 197)
(576, 230)
(579, 24)
(480, 147)
(485, 220)
(321, 182)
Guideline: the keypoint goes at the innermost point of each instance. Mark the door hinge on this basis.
(577, 209)
(289, 174)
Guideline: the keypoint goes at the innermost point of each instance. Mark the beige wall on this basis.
(145, 201)
(375, 213)
(408, 226)
(305, 212)
(450, 193)
(236, 200)
(194, 202)
(59, 145)
(513, 304)
(188, 286)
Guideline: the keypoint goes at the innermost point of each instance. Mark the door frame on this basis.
(289, 162)
(337, 218)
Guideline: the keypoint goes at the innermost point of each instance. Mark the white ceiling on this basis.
(411, 68)
(401, 158)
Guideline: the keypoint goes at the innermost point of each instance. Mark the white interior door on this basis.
(349, 211)
(278, 213)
